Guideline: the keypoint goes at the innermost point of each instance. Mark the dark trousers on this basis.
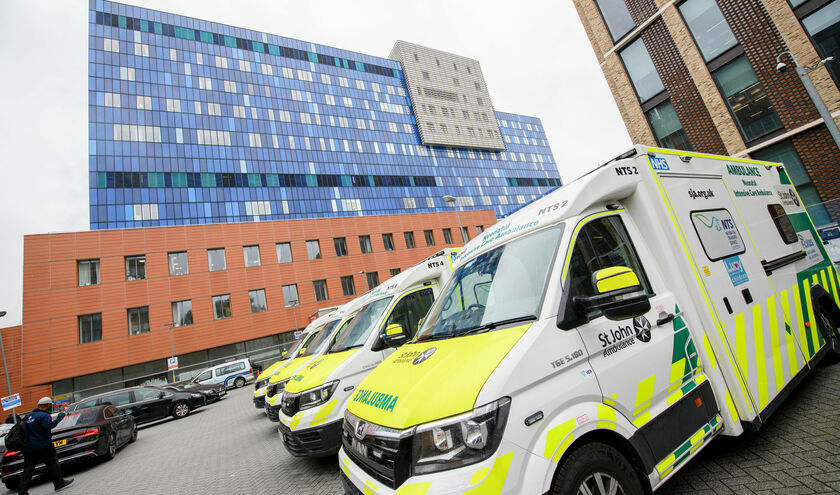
(48, 457)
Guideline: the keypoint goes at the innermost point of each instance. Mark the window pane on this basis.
(616, 17)
(252, 255)
(138, 320)
(216, 259)
(824, 27)
(290, 295)
(135, 267)
(817, 210)
(746, 98)
(447, 236)
(372, 280)
(388, 241)
(88, 272)
(430, 237)
(320, 287)
(708, 26)
(785, 153)
(641, 70)
(347, 285)
(284, 252)
(364, 243)
(90, 328)
(221, 306)
(182, 313)
(340, 244)
(313, 250)
(465, 233)
(667, 128)
(409, 239)
(395, 271)
(178, 264)
(796, 3)
(257, 300)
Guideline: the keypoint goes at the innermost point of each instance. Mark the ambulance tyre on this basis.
(598, 469)
(829, 328)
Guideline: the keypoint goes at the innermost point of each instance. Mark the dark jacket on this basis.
(39, 424)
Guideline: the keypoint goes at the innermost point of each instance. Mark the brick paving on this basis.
(230, 447)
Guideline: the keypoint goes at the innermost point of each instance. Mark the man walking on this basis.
(39, 446)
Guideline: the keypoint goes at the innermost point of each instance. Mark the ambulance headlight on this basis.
(460, 441)
(317, 396)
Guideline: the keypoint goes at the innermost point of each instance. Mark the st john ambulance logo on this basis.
(424, 356)
(642, 327)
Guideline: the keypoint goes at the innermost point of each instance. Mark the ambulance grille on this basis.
(385, 459)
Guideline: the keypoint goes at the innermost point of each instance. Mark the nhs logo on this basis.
(659, 163)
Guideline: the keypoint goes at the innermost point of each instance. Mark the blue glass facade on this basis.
(194, 122)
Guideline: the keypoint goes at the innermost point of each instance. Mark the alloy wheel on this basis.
(600, 484)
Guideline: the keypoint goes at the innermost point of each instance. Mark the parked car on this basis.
(231, 374)
(211, 393)
(146, 403)
(830, 235)
(82, 434)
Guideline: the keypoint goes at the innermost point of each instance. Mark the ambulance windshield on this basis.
(502, 286)
(319, 343)
(300, 342)
(356, 333)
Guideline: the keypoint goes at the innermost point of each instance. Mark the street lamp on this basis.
(5, 369)
(804, 73)
(453, 199)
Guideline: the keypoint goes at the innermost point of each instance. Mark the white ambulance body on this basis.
(598, 338)
(313, 403)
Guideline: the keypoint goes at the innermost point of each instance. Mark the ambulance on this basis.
(324, 331)
(312, 405)
(597, 339)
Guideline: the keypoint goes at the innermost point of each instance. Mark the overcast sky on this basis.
(535, 56)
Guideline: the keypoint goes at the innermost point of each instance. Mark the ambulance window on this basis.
(602, 243)
(718, 233)
(410, 310)
(783, 225)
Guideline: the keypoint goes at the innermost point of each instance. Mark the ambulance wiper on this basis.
(493, 325)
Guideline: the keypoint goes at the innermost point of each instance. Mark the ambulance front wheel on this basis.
(598, 469)
(831, 333)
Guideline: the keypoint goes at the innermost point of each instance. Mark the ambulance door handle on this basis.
(667, 319)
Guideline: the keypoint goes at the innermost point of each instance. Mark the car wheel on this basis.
(112, 446)
(133, 437)
(831, 334)
(598, 469)
(239, 382)
(180, 410)
(12, 483)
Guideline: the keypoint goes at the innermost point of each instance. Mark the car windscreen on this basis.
(355, 334)
(300, 342)
(82, 417)
(498, 287)
(319, 342)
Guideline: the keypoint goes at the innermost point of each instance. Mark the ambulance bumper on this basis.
(320, 441)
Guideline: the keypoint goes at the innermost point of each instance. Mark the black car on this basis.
(146, 403)
(211, 393)
(82, 434)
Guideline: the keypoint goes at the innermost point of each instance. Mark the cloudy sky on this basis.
(535, 57)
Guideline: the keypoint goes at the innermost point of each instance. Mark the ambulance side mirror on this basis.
(619, 296)
(394, 336)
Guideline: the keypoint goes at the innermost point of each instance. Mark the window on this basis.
(204, 376)
(257, 298)
(395, 271)
(135, 267)
(88, 272)
(785, 153)
(783, 225)
(388, 241)
(178, 263)
(479, 228)
(252, 255)
(221, 306)
(313, 249)
(117, 398)
(216, 259)
(182, 313)
(667, 128)
(465, 233)
(340, 246)
(746, 99)
(709, 28)
(141, 395)
(347, 285)
(284, 252)
(718, 233)
(616, 17)
(824, 28)
(410, 310)
(447, 236)
(641, 70)
(409, 239)
(320, 287)
(290, 295)
(372, 280)
(602, 243)
(138, 320)
(364, 243)
(90, 328)
(430, 237)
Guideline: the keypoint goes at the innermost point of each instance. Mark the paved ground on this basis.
(230, 447)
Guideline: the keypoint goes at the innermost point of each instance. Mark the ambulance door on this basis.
(750, 320)
(644, 364)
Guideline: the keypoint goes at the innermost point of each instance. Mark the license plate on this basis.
(358, 447)
(59, 443)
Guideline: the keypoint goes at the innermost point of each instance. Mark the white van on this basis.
(312, 405)
(231, 374)
(599, 338)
